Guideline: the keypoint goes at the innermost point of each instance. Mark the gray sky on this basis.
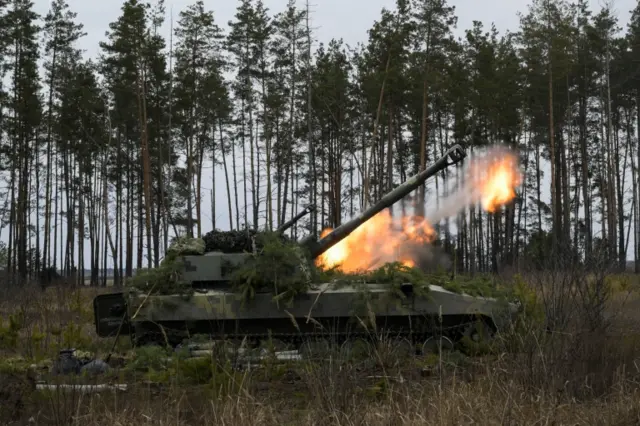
(346, 19)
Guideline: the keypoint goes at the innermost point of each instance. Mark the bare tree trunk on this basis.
(555, 207)
(80, 275)
(312, 180)
(213, 179)
(55, 217)
(389, 185)
(637, 194)
(586, 193)
(371, 166)
(38, 256)
(538, 188)
(255, 187)
(146, 163)
(244, 168)
(636, 217)
(129, 212)
(611, 204)
(47, 190)
(198, 198)
(226, 174)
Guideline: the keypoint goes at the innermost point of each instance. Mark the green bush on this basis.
(9, 331)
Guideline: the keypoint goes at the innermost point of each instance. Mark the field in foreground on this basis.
(585, 372)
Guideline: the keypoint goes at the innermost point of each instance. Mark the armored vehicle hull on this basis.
(334, 312)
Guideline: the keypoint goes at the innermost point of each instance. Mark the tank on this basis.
(208, 303)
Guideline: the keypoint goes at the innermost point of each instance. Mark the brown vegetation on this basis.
(585, 371)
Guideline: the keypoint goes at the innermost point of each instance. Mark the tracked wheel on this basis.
(479, 331)
(434, 344)
(477, 337)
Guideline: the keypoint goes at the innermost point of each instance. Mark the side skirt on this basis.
(337, 329)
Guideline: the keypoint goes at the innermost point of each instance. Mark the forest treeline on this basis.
(107, 156)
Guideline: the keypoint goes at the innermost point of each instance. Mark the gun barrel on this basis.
(296, 218)
(454, 155)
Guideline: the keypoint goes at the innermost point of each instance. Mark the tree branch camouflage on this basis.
(167, 278)
(278, 265)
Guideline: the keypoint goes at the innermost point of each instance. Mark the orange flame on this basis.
(496, 181)
(491, 180)
(376, 242)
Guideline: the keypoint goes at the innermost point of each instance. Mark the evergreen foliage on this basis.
(481, 285)
(106, 159)
(167, 277)
(279, 266)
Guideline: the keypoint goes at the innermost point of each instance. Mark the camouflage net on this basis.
(166, 278)
(229, 241)
(184, 246)
(386, 274)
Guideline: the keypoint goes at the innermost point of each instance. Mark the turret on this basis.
(453, 156)
(213, 269)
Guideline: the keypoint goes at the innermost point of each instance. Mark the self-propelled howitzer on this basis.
(212, 305)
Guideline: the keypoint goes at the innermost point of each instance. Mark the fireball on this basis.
(376, 242)
(496, 180)
(490, 180)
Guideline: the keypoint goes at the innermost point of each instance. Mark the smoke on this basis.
(488, 178)
(427, 257)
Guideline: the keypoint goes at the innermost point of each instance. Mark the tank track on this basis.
(143, 336)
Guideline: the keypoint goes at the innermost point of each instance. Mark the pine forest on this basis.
(104, 161)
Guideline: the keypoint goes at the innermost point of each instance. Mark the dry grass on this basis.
(576, 375)
(488, 400)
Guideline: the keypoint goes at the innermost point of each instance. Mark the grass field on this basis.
(584, 373)
(87, 282)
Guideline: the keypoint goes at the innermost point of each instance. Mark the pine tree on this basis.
(433, 20)
(330, 99)
(546, 38)
(121, 68)
(22, 123)
(61, 33)
(160, 150)
(287, 92)
(5, 147)
(198, 77)
(633, 37)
